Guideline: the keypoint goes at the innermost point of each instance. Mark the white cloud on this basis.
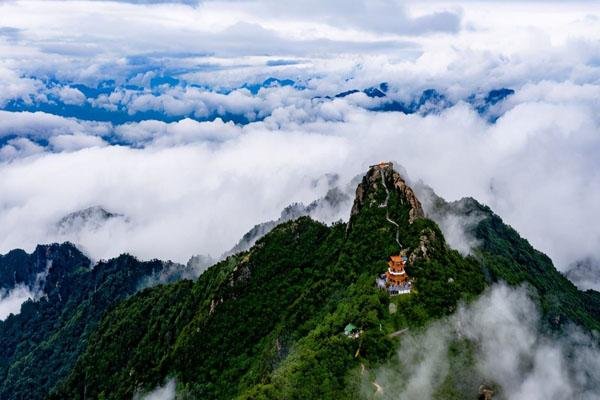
(198, 102)
(14, 87)
(12, 298)
(383, 16)
(71, 96)
(19, 148)
(166, 392)
(184, 131)
(510, 353)
(181, 200)
(75, 142)
(10, 301)
(535, 167)
(44, 125)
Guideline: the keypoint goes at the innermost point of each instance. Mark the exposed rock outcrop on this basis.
(241, 272)
(423, 251)
(394, 181)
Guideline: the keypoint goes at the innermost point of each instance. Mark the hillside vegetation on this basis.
(268, 323)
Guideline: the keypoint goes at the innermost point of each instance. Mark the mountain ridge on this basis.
(268, 322)
(274, 356)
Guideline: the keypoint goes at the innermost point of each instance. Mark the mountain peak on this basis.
(91, 218)
(383, 178)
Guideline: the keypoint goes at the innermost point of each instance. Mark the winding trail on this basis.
(378, 387)
(387, 211)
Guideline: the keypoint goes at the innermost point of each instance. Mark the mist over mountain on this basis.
(584, 274)
(172, 330)
(192, 106)
(331, 208)
(67, 297)
(91, 218)
(330, 199)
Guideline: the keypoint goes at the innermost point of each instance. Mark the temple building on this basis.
(396, 274)
(395, 280)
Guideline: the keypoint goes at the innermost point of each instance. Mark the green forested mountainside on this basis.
(39, 346)
(506, 256)
(509, 257)
(268, 323)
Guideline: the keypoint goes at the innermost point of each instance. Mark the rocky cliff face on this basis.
(372, 183)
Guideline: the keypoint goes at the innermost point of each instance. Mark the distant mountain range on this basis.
(427, 101)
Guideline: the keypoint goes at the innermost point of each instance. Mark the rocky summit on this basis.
(384, 175)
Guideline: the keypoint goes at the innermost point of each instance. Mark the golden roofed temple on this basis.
(396, 274)
(395, 280)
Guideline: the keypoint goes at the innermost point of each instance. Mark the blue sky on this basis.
(197, 120)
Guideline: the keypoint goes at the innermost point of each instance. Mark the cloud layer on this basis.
(197, 121)
(166, 392)
(11, 300)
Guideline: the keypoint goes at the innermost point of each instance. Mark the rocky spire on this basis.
(372, 182)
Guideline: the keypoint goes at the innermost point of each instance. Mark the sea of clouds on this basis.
(164, 112)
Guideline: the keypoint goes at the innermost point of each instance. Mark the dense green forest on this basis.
(268, 323)
(39, 345)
